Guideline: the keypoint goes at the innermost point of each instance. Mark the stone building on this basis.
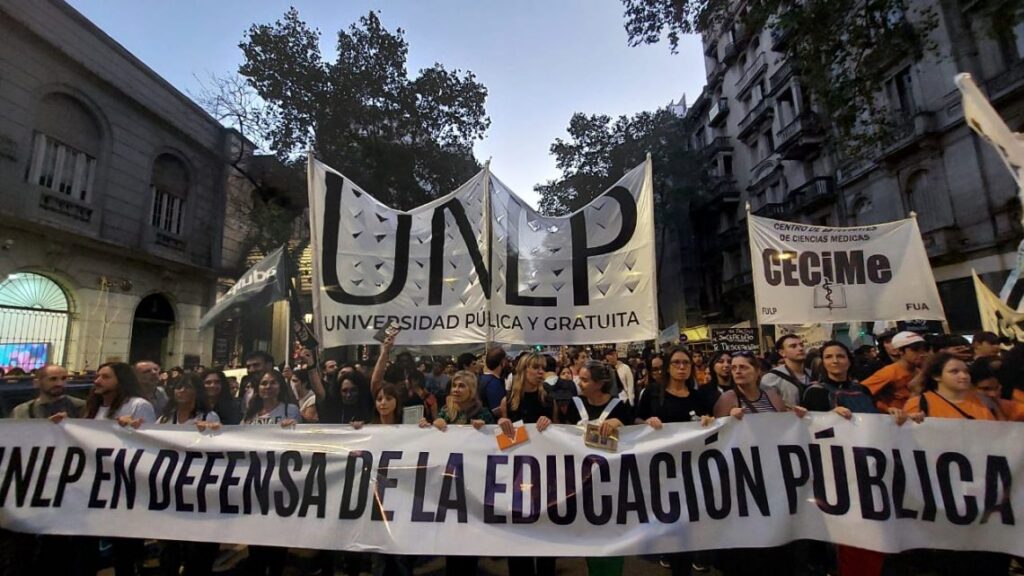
(760, 134)
(112, 199)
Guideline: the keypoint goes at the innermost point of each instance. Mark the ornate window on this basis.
(34, 320)
(170, 185)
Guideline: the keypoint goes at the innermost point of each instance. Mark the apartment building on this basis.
(112, 199)
(760, 134)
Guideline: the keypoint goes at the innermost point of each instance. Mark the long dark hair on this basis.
(225, 406)
(127, 387)
(284, 394)
(822, 374)
(392, 391)
(690, 383)
(192, 380)
(714, 375)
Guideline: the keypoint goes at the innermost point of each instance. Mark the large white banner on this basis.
(481, 265)
(762, 481)
(817, 274)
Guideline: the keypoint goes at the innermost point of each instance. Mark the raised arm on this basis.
(377, 378)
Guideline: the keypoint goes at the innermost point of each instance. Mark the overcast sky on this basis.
(540, 60)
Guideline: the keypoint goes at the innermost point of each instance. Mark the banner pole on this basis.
(488, 232)
(757, 307)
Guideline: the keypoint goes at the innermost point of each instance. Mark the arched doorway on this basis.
(151, 328)
(34, 321)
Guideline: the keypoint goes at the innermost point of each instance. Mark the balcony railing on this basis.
(780, 77)
(717, 74)
(816, 192)
(799, 137)
(759, 65)
(759, 112)
(716, 146)
(772, 210)
(780, 37)
(723, 188)
(1003, 82)
(719, 110)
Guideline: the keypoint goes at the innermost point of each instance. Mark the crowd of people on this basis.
(909, 377)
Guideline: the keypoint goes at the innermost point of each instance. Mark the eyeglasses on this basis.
(681, 363)
(658, 369)
(744, 354)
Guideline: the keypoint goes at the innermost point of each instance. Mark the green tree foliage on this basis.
(844, 50)
(405, 140)
(599, 150)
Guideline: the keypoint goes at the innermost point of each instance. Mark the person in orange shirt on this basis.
(890, 384)
(948, 392)
(984, 375)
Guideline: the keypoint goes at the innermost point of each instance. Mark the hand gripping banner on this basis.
(762, 481)
(481, 265)
(806, 274)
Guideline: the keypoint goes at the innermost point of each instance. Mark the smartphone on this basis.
(389, 329)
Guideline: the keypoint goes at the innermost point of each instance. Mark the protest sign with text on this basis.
(807, 274)
(481, 265)
(762, 481)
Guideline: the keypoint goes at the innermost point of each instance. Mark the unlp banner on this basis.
(817, 274)
(481, 265)
(762, 481)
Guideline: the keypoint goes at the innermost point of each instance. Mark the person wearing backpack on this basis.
(792, 378)
(835, 391)
(949, 394)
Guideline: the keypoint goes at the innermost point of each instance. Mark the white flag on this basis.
(980, 116)
(817, 274)
(481, 265)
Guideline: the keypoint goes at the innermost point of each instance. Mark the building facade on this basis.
(113, 188)
(764, 145)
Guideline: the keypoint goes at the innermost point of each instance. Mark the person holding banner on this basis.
(747, 396)
(529, 402)
(300, 383)
(835, 390)
(273, 402)
(679, 398)
(186, 405)
(219, 399)
(597, 404)
(463, 406)
(948, 394)
(117, 395)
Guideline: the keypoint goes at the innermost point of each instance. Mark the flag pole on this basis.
(757, 307)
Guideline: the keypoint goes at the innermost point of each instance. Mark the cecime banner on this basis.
(481, 265)
(805, 274)
(762, 481)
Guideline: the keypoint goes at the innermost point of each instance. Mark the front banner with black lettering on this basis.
(762, 481)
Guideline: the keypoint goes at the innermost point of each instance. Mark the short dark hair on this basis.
(264, 356)
(982, 369)
(465, 360)
(550, 364)
(495, 356)
(951, 340)
(985, 337)
(781, 342)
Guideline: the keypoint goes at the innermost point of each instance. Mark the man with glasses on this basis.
(890, 385)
